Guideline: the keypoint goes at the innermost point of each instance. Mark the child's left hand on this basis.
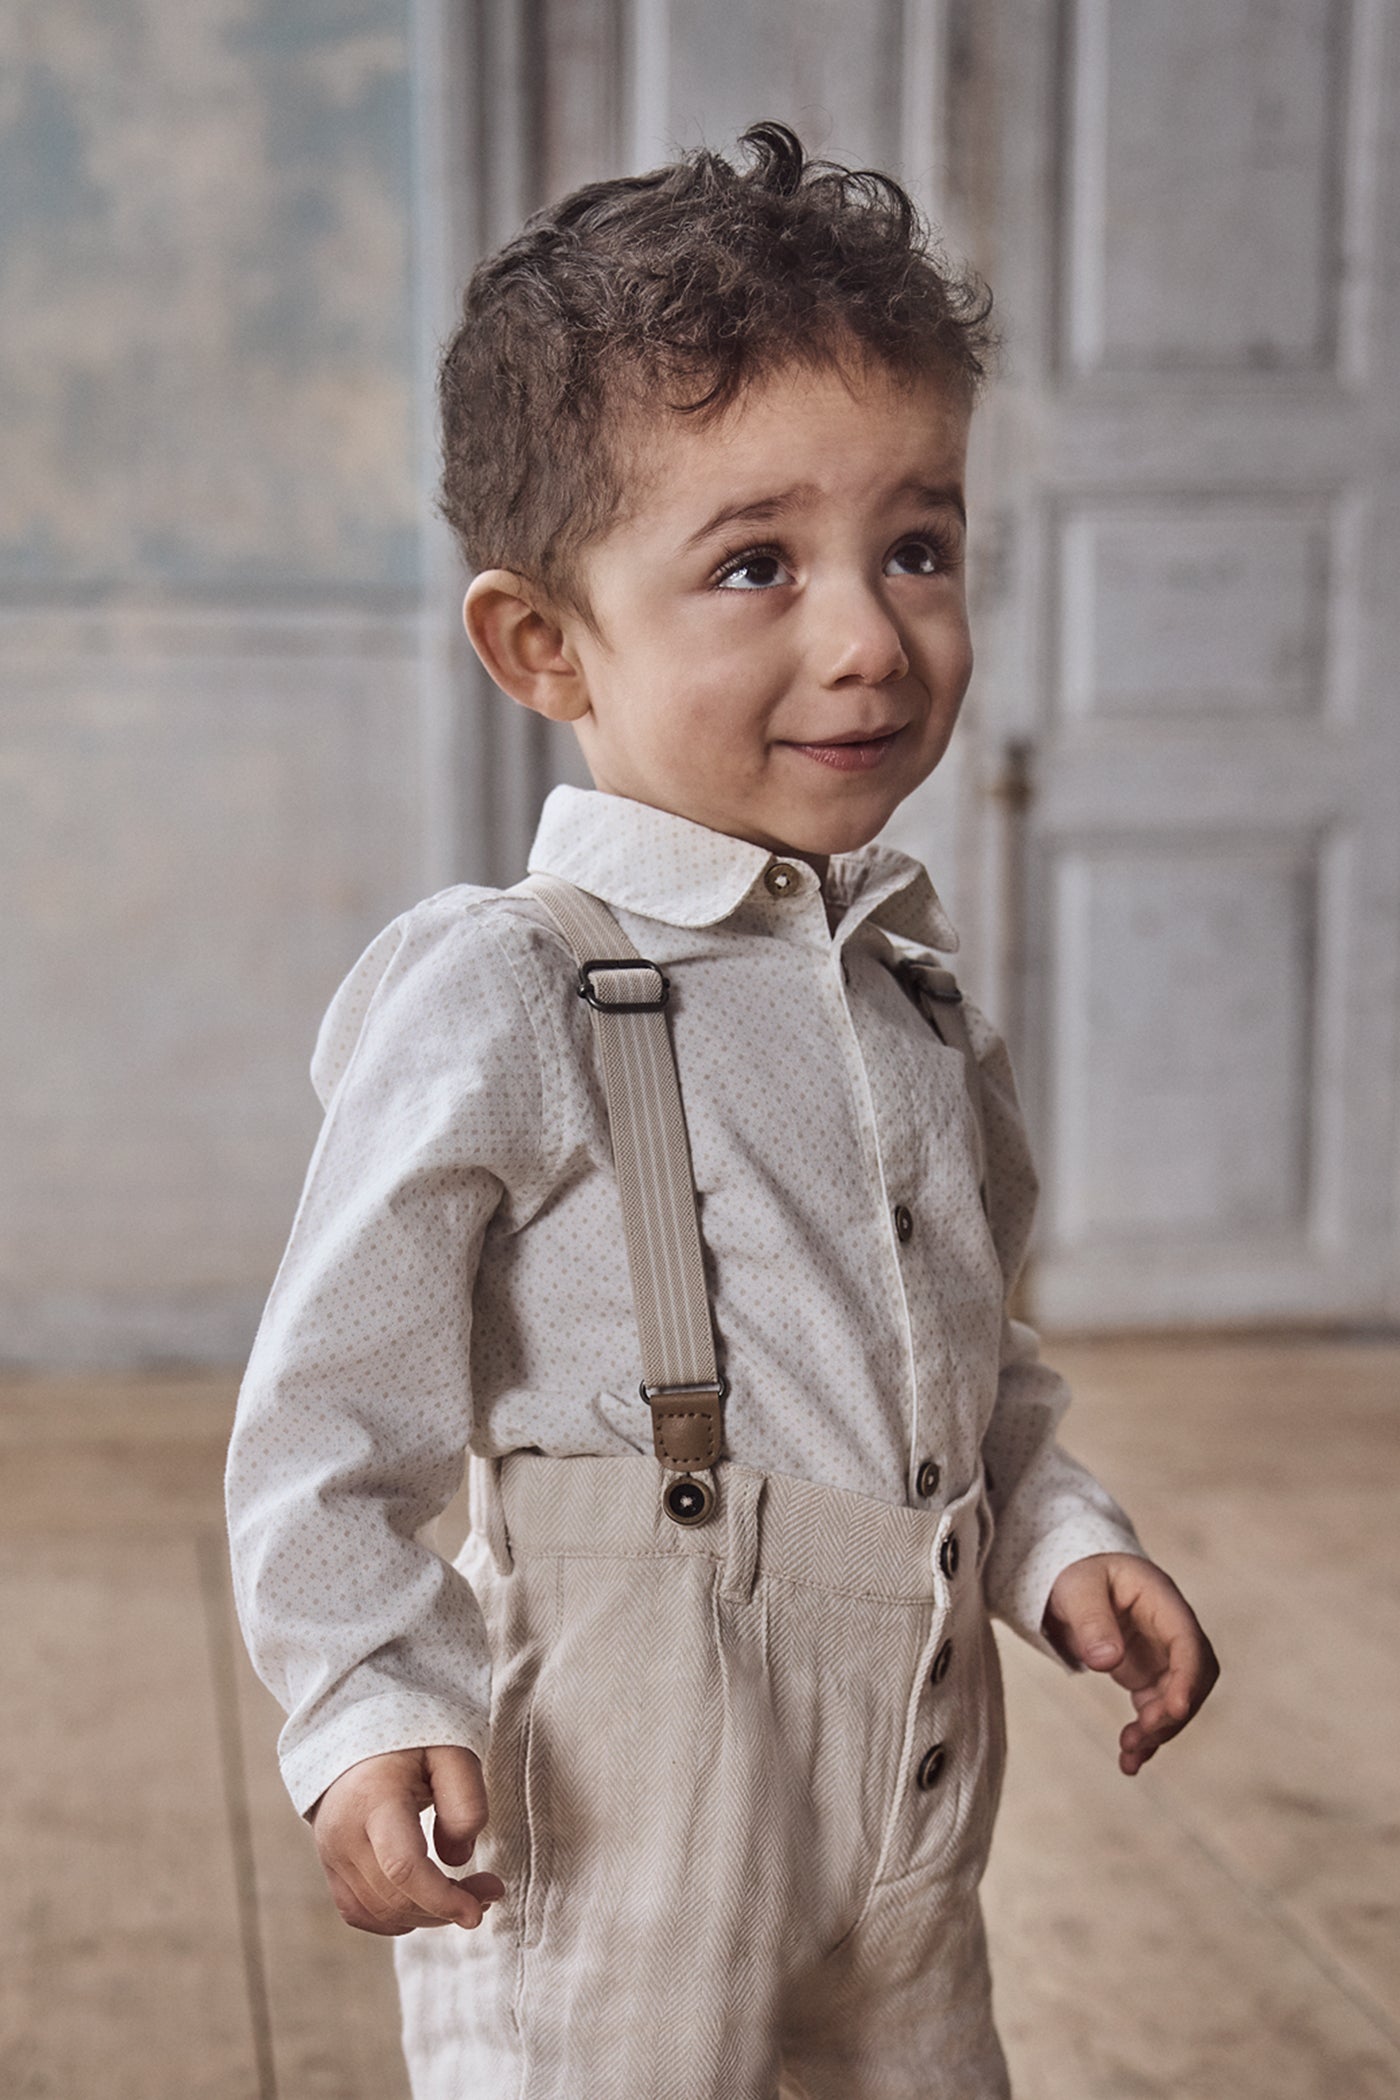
(1119, 1613)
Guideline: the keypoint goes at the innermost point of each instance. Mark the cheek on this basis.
(947, 653)
(724, 677)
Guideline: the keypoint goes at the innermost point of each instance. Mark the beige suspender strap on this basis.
(627, 995)
(941, 1001)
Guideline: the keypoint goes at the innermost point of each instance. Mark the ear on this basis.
(522, 643)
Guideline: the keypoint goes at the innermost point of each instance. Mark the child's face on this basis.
(781, 642)
(790, 674)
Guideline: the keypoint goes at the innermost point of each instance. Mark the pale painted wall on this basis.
(210, 553)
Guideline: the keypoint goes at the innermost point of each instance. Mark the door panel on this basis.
(1205, 177)
(1188, 213)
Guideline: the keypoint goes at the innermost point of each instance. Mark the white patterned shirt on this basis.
(456, 1276)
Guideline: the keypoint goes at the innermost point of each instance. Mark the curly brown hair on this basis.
(673, 291)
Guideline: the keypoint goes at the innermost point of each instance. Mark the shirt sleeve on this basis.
(1049, 1510)
(355, 1413)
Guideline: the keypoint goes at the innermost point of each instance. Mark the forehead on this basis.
(848, 432)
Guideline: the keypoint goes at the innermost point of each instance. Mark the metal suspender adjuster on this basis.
(624, 1006)
(939, 984)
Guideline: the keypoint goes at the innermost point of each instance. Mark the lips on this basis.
(856, 751)
(852, 736)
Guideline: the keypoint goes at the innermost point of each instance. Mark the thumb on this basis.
(459, 1801)
(1083, 1601)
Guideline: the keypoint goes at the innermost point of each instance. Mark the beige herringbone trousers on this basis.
(742, 1780)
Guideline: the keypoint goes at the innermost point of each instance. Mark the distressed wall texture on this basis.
(210, 526)
(204, 274)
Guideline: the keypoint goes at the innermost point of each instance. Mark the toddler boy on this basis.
(717, 1651)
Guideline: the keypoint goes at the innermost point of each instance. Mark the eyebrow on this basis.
(764, 509)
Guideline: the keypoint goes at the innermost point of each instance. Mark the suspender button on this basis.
(688, 1501)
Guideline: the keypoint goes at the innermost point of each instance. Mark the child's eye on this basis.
(929, 554)
(755, 569)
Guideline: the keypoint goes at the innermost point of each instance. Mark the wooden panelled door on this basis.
(1191, 214)
(1181, 899)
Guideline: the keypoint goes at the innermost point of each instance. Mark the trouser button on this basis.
(931, 1767)
(688, 1501)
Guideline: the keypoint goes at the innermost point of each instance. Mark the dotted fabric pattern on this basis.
(456, 1276)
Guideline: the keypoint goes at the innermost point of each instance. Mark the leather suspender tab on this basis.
(687, 1423)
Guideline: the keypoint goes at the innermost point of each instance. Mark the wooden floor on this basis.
(1224, 1927)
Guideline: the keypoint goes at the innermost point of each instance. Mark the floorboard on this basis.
(1224, 1927)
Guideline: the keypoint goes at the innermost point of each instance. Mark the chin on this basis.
(830, 838)
(836, 834)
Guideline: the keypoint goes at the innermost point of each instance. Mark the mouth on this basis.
(857, 751)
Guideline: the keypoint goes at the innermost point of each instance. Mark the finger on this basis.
(361, 1907)
(1147, 1735)
(351, 1909)
(392, 1914)
(400, 1860)
(1084, 1601)
(459, 1802)
(1131, 1761)
(487, 1888)
(1191, 1670)
(1161, 1715)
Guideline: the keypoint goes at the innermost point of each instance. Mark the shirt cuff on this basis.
(368, 1729)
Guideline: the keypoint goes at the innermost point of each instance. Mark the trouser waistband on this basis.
(529, 1505)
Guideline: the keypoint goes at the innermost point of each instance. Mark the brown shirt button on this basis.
(780, 878)
(931, 1767)
(927, 1478)
(903, 1221)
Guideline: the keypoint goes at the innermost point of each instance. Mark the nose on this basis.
(860, 643)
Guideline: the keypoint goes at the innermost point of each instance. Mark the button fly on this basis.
(780, 878)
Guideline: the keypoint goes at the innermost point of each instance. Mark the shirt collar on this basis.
(663, 866)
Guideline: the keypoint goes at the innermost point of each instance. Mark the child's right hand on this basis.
(375, 1854)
